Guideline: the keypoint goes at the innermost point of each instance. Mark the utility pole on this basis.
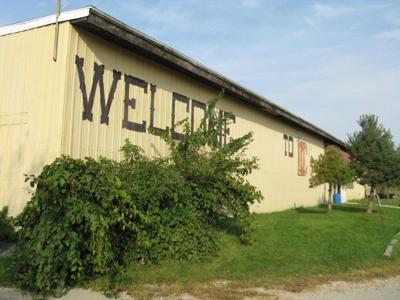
(57, 28)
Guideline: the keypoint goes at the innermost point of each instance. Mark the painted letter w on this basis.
(97, 80)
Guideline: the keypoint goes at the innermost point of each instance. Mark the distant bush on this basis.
(88, 216)
(7, 229)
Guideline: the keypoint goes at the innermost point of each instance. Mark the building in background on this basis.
(111, 82)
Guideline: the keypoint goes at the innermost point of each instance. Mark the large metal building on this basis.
(110, 82)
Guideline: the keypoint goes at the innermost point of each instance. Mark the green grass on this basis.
(393, 202)
(292, 248)
(5, 276)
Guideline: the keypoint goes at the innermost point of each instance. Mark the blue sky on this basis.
(326, 61)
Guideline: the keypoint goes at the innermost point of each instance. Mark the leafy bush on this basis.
(173, 228)
(72, 226)
(216, 172)
(7, 230)
(87, 217)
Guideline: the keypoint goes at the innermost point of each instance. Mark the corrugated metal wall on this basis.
(31, 99)
(277, 176)
(41, 115)
(355, 191)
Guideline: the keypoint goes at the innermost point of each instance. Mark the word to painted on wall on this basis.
(130, 103)
(302, 153)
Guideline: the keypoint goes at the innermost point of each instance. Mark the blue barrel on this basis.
(336, 198)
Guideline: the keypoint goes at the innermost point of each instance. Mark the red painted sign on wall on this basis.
(302, 166)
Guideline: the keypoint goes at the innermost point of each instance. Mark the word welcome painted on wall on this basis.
(130, 103)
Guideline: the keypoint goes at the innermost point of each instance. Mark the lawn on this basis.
(5, 279)
(394, 202)
(292, 249)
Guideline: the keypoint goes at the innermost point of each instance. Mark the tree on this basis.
(332, 169)
(396, 175)
(394, 182)
(374, 155)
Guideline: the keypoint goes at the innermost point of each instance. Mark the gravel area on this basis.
(379, 289)
(382, 289)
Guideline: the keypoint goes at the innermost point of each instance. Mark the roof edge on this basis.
(111, 26)
(95, 19)
(44, 21)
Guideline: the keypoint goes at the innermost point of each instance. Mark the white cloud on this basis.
(395, 18)
(326, 11)
(341, 91)
(163, 14)
(393, 34)
(331, 11)
(166, 19)
(250, 3)
(298, 33)
(65, 3)
(309, 21)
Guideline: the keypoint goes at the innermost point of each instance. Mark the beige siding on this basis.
(41, 115)
(31, 93)
(277, 176)
(355, 191)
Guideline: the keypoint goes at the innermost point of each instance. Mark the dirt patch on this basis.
(388, 289)
(317, 288)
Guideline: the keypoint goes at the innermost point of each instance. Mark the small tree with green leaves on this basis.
(374, 156)
(395, 181)
(330, 168)
(215, 171)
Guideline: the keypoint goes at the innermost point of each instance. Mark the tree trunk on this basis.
(371, 199)
(329, 206)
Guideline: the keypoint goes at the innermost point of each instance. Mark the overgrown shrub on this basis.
(216, 172)
(73, 224)
(173, 227)
(7, 230)
(88, 216)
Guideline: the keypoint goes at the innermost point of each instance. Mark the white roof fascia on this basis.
(35, 23)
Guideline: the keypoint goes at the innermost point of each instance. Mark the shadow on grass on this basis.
(347, 208)
(230, 226)
(303, 210)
